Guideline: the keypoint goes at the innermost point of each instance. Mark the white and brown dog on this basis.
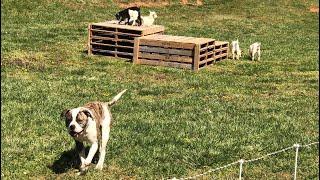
(255, 49)
(90, 123)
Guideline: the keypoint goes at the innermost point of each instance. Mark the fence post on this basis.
(296, 161)
(241, 161)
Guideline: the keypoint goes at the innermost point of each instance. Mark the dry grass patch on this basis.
(25, 60)
(82, 4)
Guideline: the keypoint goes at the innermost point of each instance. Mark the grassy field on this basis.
(171, 122)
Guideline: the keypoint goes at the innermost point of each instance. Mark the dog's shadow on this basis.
(69, 160)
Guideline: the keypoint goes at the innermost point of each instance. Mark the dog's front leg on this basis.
(105, 138)
(81, 151)
(92, 152)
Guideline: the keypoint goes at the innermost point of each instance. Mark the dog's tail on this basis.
(116, 98)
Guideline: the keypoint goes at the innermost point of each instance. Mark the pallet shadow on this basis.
(84, 52)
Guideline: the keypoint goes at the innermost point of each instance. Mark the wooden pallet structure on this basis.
(178, 51)
(221, 50)
(112, 39)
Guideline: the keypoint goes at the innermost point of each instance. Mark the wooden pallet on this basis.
(113, 39)
(174, 51)
(221, 50)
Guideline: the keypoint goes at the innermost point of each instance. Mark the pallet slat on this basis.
(112, 52)
(221, 49)
(115, 33)
(209, 53)
(206, 61)
(206, 48)
(173, 58)
(166, 44)
(111, 39)
(219, 56)
(165, 51)
(165, 63)
(110, 45)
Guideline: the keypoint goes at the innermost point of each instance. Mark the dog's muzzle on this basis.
(76, 134)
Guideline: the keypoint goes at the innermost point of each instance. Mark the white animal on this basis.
(255, 49)
(134, 15)
(235, 49)
(149, 20)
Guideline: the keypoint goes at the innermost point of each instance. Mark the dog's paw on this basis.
(99, 166)
(83, 169)
(87, 163)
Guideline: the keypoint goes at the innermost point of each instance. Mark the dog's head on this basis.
(76, 120)
(118, 16)
(153, 14)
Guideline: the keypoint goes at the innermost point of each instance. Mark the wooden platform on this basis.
(221, 50)
(174, 51)
(113, 39)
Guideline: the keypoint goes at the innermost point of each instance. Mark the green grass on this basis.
(170, 122)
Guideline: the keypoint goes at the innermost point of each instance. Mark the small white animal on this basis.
(149, 20)
(235, 49)
(255, 49)
(134, 16)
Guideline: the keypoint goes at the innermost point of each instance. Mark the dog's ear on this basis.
(87, 113)
(64, 113)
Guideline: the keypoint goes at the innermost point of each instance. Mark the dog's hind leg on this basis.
(105, 137)
(253, 54)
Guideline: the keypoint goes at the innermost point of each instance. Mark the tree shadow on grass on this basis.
(69, 160)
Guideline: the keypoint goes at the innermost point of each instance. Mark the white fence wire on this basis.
(242, 161)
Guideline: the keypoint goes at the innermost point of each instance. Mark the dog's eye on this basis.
(82, 124)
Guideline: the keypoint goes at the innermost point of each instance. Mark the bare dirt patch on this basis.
(314, 9)
(198, 2)
(80, 4)
(31, 61)
(156, 3)
(142, 4)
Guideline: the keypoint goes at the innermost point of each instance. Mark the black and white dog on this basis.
(90, 123)
(131, 16)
